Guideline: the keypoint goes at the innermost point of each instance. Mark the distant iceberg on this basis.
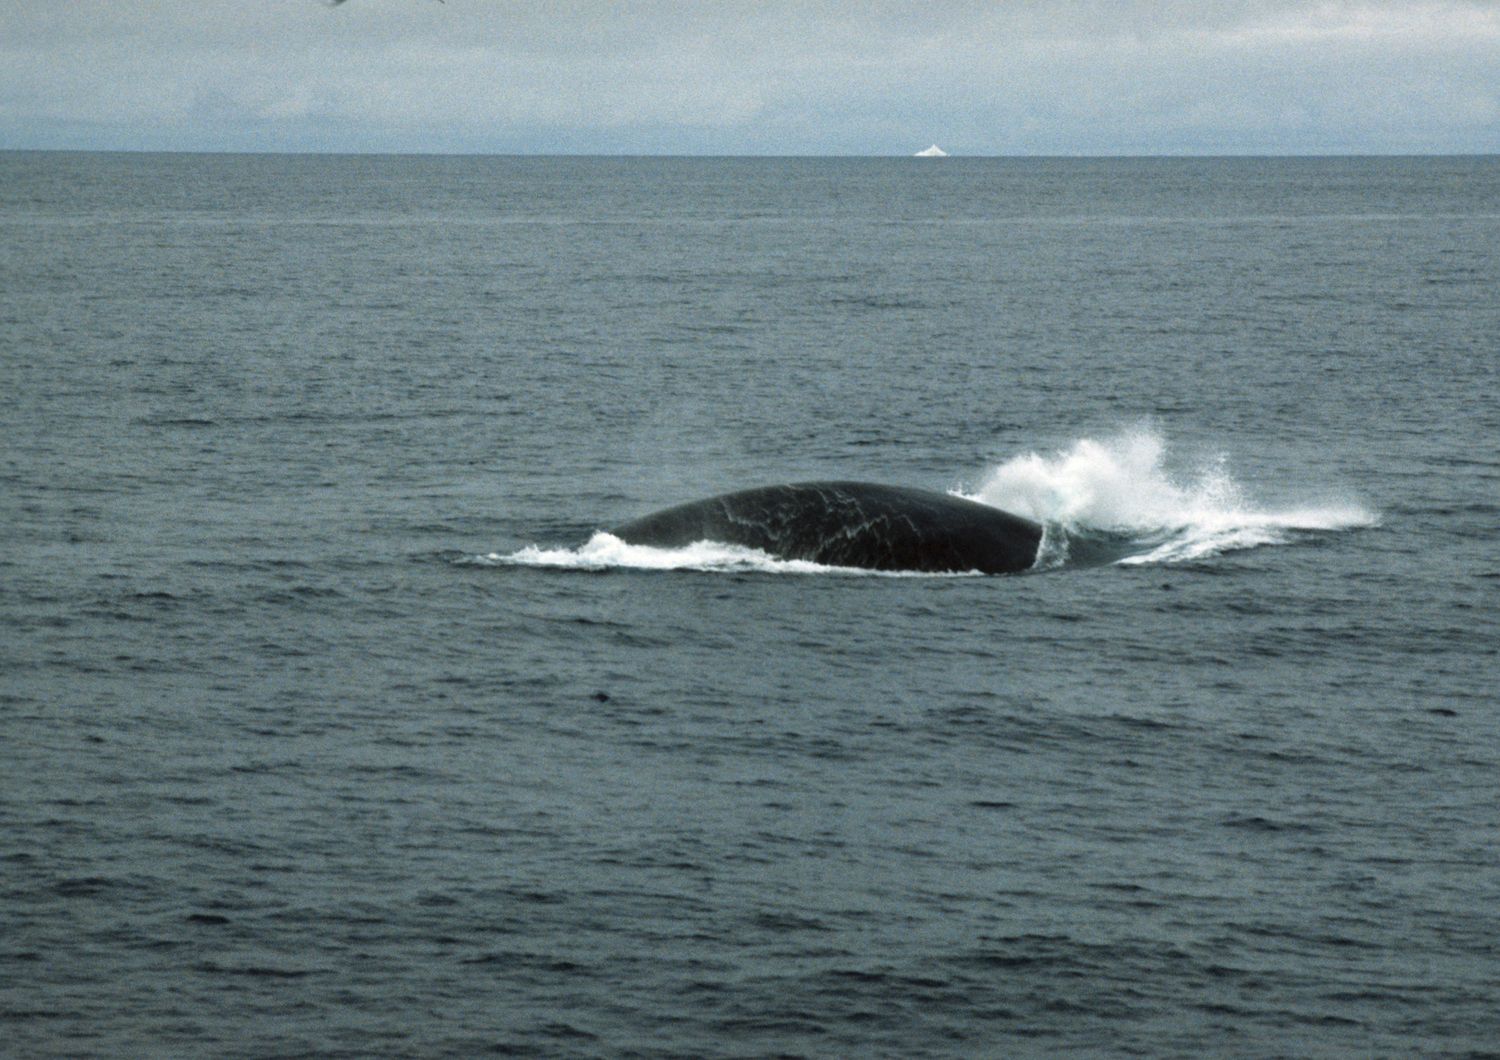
(932, 152)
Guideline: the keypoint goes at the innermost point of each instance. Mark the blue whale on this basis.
(850, 524)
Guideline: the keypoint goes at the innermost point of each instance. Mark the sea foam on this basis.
(603, 551)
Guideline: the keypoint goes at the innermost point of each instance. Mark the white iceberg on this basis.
(932, 152)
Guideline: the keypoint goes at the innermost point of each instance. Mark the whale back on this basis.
(850, 524)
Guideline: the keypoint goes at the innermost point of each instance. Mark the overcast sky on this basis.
(809, 77)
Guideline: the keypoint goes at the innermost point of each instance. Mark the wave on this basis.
(1111, 501)
(1118, 501)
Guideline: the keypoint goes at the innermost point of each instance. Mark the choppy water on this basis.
(332, 727)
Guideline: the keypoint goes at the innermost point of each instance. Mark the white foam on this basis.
(1122, 485)
(604, 551)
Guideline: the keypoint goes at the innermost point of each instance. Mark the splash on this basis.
(1116, 501)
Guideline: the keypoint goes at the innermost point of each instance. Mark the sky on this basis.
(815, 77)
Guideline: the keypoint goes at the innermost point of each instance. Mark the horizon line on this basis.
(1206, 155)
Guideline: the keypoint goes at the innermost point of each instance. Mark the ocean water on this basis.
(333, 725)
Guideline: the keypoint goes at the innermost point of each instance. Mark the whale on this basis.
(850, 524)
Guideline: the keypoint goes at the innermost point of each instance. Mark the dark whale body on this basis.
(850, 524)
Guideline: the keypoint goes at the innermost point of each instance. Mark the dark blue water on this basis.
(332, 728)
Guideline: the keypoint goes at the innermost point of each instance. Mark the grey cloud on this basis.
(1053, 77)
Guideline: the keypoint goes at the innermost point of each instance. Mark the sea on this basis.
(334, 723)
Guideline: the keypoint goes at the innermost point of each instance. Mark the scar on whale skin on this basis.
(850, 524)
